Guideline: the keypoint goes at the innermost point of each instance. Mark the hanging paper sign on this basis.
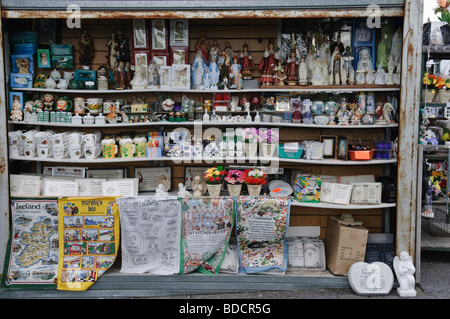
(207, 225)
(261, 226)
(32, 252)
(89, 231)
(151, 232)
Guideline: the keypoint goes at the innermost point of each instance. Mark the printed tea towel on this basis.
(32, 251)
(207, 226)
(151, 232)
(89, 231)
(261, 227)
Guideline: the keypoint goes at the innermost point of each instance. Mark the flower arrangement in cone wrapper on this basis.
(213, 176)
(255, 177)
(234, 177)
(269, 136)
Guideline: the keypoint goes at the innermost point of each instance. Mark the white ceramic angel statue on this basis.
(160, 191)
(182, 192)
(197, 186)
(404, 270)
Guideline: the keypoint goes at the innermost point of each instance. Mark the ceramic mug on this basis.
(60, 151)
(94, 105)
(109, 107)
(75, 151)
(68, 75)
(127, 148)
(79, 105)
(140, 146)
(109, 148)
(43, 137)
(44, 150)
(64, 104)
(89, 140)
(93, 151)
(15, 143)
(29, 146)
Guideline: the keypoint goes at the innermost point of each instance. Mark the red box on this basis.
(364, 155)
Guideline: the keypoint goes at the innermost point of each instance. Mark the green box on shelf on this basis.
(85, 75)
(61, 49)
(62, 61)
(307, 188)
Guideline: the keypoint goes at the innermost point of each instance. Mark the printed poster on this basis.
(32, 252)
(207, 226)
(89, 231)
(260, 228)
(151, 232)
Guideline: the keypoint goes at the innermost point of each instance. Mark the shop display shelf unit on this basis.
(116, 284)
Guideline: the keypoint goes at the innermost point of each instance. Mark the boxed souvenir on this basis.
(62, 61)
(21, 80)
(85, 75)
(22, 63)
(23, 37)
(306, 250)
(24, 48)
(61, 49)
(290, 150)
(345, 243)
(307, 188)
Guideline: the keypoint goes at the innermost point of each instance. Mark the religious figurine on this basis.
(343, 114)
(348, 59)
(229, 50)
(86, 49)
(224, 68)
(380, 76)
(161, 191)
(291, 69)
(203, 46)
(337, 46)
(197, 186)
(324, 50)
(317, 75)
(337, 67)
(303, 72)
(198, 71)
(309, 60)
(235, 74)
(351, 76)
(404, 270)
(182, 192)
(388, 113)
(214, 73)
(124, 52)
(268, 63)
(214, 51)
(247, 63)
(139, 79)
(280, 76)
(365, 62)
(391, 69)
(153, 75)
(113, 52)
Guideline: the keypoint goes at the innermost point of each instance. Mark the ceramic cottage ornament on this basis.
(404, 270)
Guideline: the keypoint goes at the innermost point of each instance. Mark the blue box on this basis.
(24, 48)
(85, 75)
(61, 49)
(21, 80)
(14, 62)
(23, 37)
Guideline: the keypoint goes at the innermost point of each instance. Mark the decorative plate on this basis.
(321, 120)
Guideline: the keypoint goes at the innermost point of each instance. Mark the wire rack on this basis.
(439, 225)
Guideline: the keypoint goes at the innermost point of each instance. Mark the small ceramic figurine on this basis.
(139, 80)
(235, 74)
(182, 192)
(214, 74)
(268, 63)
(404, 270)
(303, 72)
(198, 69)
(161, 191)
(317, 74)
(279, 76)
(203, 46)
(391, 69)
(197, 186)
(380, 76)
(365, 62)
(16, 112)
(291, 69)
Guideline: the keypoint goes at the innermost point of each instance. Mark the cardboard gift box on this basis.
(345, 243)
(307, 188)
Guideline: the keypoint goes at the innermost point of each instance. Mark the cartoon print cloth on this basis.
(89, 232)
(260, 228)
(32, 251)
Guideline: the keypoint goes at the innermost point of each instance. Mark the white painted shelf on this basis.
(217, 160)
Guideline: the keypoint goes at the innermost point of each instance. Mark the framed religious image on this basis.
(179, 32)
(179, 55)
(342, 148)
(159, 35)
(150, 177)
(190, 172)
(283, 103)
(46, 30)
(362, 33)
(109, 173)
(181, 76)
(43, 57)
(329, 145)
(140, 58)
(140, 38)
(161, 59)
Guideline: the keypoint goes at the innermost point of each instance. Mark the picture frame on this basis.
(47, 30)
(109, 173)
(43, 58)
(21, 80)
(22, 63)
(159, 35)
(342, 148)
(14, 95)
(283, 103)
(181, 76)
(179, 32)
(151, 177)
(357, 51)
(141, 57)
(190, 172)
(179, 55)
(140, 35)
(161, 59)
(329, 145)
(362, 34)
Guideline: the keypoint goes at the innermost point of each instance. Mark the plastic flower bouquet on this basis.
(255, 177)
(213, 176)
(250, 135)
(234, 177)
(269, 136)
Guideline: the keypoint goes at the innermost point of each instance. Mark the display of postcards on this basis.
(61, 49)
(21, 80)
(22, 63)
(85, 75)
(175, 137)
(62, 61)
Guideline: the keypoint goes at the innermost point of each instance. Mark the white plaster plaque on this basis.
(371, 279)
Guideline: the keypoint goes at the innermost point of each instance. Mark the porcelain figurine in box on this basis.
(22, 63)
(21, 80)
(153, 75)
(181, 76)
(139, 80)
